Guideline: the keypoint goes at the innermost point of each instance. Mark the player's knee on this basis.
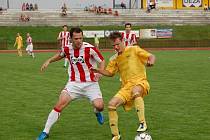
(137, 91)
(99, 108)
(112, 106)
(137, 95)
(99, 105)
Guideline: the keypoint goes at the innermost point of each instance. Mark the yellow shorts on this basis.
(125, 93)
(19, 47)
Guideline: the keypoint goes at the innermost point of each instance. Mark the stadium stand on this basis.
(78, 17)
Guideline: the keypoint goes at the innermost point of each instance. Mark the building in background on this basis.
(178, 4)
(130, 4)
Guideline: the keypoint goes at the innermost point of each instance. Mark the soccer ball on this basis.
(143, 136)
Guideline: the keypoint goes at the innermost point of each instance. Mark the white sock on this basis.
(65, 62)
(52, 118)
(32, 54)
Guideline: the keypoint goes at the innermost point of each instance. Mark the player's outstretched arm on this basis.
(14, 44)
(101, 65)
(151, 60)
(55, 58)
(102, 71)
(45, 65)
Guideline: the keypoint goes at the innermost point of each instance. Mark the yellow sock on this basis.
(113, 121)
(139, 105)
(19, 52)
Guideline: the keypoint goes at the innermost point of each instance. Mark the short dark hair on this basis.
(127, 24)
(65, 26)
(75, 30)
(115, 35)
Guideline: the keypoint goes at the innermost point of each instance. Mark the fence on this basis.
(105, 44)
(45, 45)
(160, 43)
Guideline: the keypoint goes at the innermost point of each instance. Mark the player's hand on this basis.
(97, 76)
(95, 70)
(45, 65)
(151, 61)
(149, 64)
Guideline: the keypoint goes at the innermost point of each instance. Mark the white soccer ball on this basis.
(143, 136)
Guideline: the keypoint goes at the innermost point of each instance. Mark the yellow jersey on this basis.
(19, 41)
(130, 64)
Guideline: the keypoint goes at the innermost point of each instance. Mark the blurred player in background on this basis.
(82, 82)
(29, 48)
(96, 41)
(130, 64)
(19, 43)
(129, 37)
(64, 38)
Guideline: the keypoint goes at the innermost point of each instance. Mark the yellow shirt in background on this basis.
(96, 40)
(19, 42)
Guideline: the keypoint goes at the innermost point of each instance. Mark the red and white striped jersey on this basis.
(29, 40)
(129, 39)
(81, 60)
(65, 38)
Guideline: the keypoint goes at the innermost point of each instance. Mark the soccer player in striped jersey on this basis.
(130, 64)
(129, 37)
(64, 38)
(82, 82)
(29, 48)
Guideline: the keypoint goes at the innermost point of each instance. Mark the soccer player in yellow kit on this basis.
(19, 43)
(130, 63)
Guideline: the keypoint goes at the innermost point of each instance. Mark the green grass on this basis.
(49, 34)
(177, 107)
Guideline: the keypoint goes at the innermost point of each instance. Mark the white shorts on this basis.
(29, 48)
(90, 90)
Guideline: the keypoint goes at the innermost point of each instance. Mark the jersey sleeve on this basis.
(112, 67)
(60, 35)
(96, 54)
(16, 41)
(143, 55)
(134, 38)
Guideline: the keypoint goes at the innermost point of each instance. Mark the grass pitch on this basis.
(177, 107)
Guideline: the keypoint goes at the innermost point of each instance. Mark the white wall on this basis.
(57, 4)
(3, 4)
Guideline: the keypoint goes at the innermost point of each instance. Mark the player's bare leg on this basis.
(63, 101)
(32, 54)
(98, 108)
(19, 52)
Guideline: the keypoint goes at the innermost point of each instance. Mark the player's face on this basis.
(77, 39)
(127, 28)
(65, 28)
(117, 45)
